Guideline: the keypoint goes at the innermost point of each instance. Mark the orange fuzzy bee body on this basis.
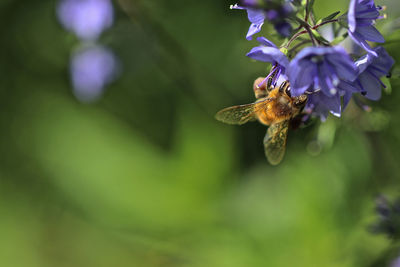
(277, 110)
(274, 108)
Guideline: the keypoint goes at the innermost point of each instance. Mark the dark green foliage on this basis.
(147, 177)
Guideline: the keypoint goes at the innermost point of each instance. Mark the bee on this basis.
(274, 107)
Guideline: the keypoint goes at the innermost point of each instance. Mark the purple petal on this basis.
(369, 33)
(254, 28)
(371, 85)
(301, 79)
(361, 18)
(357, 38)
(256, 16)
(321, 105)
(266, 42)
(321, 67)
(351, 15)
(343, 65)
(236, 6)
(325, 80)
(364, 62)
(269, 54)
(383, 62)
(346, 99)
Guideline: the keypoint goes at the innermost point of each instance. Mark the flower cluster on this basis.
(93, 66)
(328, 74)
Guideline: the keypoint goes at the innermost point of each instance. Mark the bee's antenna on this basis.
(310, 93)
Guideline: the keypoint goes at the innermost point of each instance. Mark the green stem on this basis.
(307, 10)
(303, 23)
(325, 22)
(299, 45)
(308, 30)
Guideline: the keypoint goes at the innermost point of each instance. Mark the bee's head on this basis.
(300, 101)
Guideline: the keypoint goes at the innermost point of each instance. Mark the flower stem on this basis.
(307, 10)
(299, 45)
(308, 30)
(303, 23)
(325, 22)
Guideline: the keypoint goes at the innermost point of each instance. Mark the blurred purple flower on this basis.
(86, 18)
(249, 2)
(320, 68)
(274, 11)
(277, 18)
(361, 18)
(269, 52)
(371, 69)
(91, 70)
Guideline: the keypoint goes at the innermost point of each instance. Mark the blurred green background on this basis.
(146, 177)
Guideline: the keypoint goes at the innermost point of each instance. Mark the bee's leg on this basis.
(284, 86)
(269, 84)
(261, 87)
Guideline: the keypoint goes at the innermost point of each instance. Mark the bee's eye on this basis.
(288, 92)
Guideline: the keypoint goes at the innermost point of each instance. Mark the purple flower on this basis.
(320, 68)
(361, 18)
(347, 89)
(273, 11)
(256, 17)
(86, 18)
(269, 52)
(91, 70)
(371, 69)
(321, 104)
(277, 18)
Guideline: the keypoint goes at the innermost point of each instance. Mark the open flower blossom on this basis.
(312, 74)
(269, 52)
(320, 69)
(86, 18)
(371, 69)
(273, 11)
(361, 19)
(325, 71)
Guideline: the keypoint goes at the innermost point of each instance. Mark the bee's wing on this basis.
(240, 114)
(236, 114)
(275, 142)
